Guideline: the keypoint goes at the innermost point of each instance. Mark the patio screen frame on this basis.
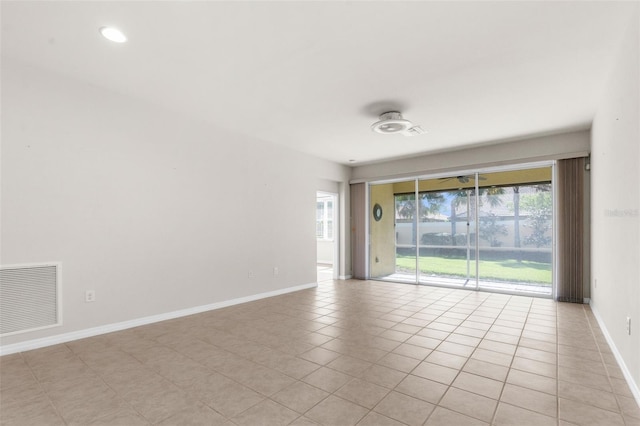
(474, 283)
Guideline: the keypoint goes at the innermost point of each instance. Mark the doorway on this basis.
(326, 236)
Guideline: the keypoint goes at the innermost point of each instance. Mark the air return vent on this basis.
(28, 298)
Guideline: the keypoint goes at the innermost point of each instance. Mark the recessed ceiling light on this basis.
(113, 34)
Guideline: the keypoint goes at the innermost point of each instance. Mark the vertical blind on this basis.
(358, 230)
(571, 227)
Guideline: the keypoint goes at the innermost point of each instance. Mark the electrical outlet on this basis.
(90, 296)
(275, 271)
(595, 283)
(250, 275)
(629, 325)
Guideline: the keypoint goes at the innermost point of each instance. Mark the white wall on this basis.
(325, 252)
(136, 203)
(565, 145)
(615, 204)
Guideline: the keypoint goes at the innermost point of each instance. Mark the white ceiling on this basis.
(314, 75)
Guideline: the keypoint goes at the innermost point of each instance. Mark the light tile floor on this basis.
(346, 353)
(435, 280)
(325, 272)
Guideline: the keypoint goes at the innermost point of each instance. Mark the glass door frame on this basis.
(475, 172)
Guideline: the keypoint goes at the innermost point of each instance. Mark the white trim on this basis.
(345, 277)
(367, 230)
(416, 218)
(633, 386)
(476, 202)
(336, 235)
(586, 301)
(109, 328)
(344, 225)
(30, 330)
(555, 202)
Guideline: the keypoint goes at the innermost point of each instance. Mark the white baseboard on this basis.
(344, 277)
(635, 390)
(109, 328)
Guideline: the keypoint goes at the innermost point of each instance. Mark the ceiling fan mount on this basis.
(463, 178)
(392, 122)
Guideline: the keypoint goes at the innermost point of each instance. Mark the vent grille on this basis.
(28, 298)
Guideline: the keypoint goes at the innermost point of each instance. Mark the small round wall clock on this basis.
(377, 212)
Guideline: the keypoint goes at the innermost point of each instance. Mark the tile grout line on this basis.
(504, 384)
(615, 394)
(469, 357)
(462, 367)
(407, 305)
(51, 403)
(423, 359)
(118, 395)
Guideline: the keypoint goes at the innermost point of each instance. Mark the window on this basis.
(324, 219)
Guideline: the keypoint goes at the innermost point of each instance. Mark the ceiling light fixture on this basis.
(113, 34)
(392, 122)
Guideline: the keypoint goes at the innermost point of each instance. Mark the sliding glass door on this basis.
(515, 238)
(478, 230)
(446, 229)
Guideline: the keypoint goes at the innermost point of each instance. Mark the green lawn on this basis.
(499, 270)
